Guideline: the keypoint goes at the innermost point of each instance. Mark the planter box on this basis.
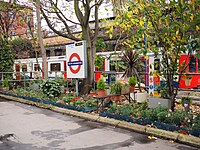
(154, 102)
(139, 97)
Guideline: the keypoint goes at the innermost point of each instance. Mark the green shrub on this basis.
(5, 82)
(113, 108)
(146, 114)
(157, 110)
(196, 122)
(186, 98)
(132, 81)
(101, 85)
(163, 116)
(117, 87)
(50, 88)
(178, 117)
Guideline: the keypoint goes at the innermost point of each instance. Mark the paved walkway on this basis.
(25, 127)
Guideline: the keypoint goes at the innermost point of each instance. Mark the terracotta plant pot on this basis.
(132, 88)
(101, 93)
(117, 98)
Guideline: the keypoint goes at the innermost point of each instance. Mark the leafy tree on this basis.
(7, 17)
(54, 12)
(6, 57)
(8, 12)
(169, 27)
(21, 47)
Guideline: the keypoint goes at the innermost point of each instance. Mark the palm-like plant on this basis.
(133, 62)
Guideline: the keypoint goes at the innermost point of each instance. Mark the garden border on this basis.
(178, 137)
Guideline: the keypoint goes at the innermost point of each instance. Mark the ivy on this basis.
(6, 57)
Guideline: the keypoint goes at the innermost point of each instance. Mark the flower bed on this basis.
(159, 117)
(73, 105)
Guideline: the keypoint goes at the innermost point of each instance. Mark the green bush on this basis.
(163, 116)
(132, 81)
(178, 117)
(117, 87)
(50, 88)
(101, 85)
(5, 82)
(196, 122)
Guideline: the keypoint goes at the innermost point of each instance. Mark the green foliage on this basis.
(132, 81)
(113, 108)
(186, 98)
(196, 122)
(101, 85)
(5, 82)
(132, 62)
(100, 44)
(50, 88)
(162, 116)
(91, 102)
(171, 29)
(116, 87)
(158, 113)
(164, 91)
(178, 117)
(6, 57)
(21, 47)
(99, 60)
(67, 99)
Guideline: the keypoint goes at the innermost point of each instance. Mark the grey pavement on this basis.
(25, 127)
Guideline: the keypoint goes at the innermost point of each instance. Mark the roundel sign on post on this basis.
(76, 60)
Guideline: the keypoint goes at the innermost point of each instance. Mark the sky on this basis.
(105, 11)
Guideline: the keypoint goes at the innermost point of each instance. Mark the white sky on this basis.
(105, 11)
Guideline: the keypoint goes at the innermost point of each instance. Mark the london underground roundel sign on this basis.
(76, 60)
(77, 63)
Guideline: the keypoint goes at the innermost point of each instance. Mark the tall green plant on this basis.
(6, 57)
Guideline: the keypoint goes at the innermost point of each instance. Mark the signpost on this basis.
(76, 59)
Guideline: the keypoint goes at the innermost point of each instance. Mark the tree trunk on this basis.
(39, 32)
(86, 85)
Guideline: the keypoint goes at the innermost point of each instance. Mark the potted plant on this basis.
(101, 85)
(5, 85)
(133, 64)
(186, 101)
(125, 88)
(117, 89)
(132, 82)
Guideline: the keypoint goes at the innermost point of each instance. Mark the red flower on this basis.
(75, 99)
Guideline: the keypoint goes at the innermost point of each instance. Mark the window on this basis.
(36, 67)
(55, 67)
(24, 68)
(48, 53)
(116, 65)
(192, 64)
(58, 52)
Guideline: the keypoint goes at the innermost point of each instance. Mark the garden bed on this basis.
(159, 117)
